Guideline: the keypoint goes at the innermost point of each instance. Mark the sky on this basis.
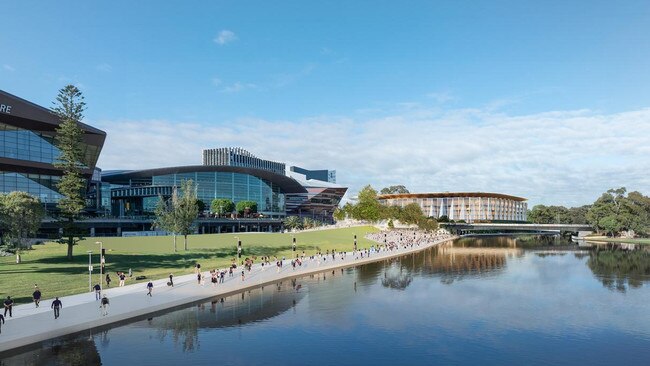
(548, 100)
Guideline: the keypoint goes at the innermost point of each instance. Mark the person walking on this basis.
(2, 321)
(108, 280)
(171, 279)
(56, 305)
(9, 304)
(104, 305)
(36, 295)
(242, 274)
(98, 292)
(150, 288)
(122, 278)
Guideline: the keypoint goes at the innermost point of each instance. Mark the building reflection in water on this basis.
(73, 350)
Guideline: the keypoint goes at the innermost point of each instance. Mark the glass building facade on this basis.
(28, 151)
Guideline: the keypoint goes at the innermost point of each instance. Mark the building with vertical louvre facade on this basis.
(466, 206)
(236, 156)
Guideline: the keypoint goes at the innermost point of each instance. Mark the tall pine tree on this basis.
(69, 107)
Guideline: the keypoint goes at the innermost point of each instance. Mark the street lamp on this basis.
(101, 265)
(293, 245)
(238, 247)
(90, 270)
(355, 242)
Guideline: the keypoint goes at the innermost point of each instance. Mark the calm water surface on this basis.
(488, 301)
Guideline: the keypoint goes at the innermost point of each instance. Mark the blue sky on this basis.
(349, 85)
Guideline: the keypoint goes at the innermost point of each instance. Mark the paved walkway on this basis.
(80, 312)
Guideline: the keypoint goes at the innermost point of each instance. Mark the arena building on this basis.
(467, 206)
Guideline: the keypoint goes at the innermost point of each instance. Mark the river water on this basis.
(478, 301)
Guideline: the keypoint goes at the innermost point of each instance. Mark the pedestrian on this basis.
(122, 278)
(197, 268)
(36, 295)
(171, 280)
(242, 274)
(98, 291)
(2, 321)
(198, 278)
(9, 304)
(104, 305)
(150, 288)
(57, 305)
(108, 280)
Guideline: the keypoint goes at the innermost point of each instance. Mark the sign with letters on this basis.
(5, 108)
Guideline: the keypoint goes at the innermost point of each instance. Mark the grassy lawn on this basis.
(645, 241)
(47, 266)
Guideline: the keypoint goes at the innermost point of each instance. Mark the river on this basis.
(476, 301)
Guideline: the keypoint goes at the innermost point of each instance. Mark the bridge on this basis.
(468, 228)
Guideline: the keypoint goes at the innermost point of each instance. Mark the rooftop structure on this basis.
(236, 156)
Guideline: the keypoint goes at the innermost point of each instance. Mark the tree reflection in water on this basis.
(620, 270)
(75, 351)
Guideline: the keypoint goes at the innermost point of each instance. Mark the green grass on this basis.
(603, 239)
(47, 266)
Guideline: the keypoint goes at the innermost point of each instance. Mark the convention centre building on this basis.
(124, 200)
(466, 206)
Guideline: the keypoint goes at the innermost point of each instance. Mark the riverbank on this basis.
(604, 239)
(153, 257)
(80, 312)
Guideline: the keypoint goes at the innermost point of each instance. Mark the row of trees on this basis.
(225, 206)
(541, 214)
(297, 223)
(368, 208)
(614, 212)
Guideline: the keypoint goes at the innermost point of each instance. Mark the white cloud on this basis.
(560, 157)
(216, 81)
(225, 36)
(104, 67)
(441, 97)
(8, 67)
(238, 86)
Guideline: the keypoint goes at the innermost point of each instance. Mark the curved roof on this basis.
(450, 194)
(288, 185)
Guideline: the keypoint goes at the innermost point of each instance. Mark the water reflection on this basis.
(618, 269)
(488, 300)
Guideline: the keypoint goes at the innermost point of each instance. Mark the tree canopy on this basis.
(178, 213)
(616, 211)
(394, 190)
(246, 207)
(20, 216)
(222, 206)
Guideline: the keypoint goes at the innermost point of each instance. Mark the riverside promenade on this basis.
(30, 325)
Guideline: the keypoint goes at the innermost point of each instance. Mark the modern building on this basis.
(321, 198)
(28, 151)
(236, 156)
(466, 206)
(322, 175)
(136, 192)
(126, 199)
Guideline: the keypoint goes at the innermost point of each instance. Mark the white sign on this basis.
(5, 108)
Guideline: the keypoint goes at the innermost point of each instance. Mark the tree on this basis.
(222, 206)
(246, 207)
(177, 214)
(367, 207)
(188, 209)
(69, 107)
(339, 214)
(292, 222)
(20, 215)
(394, 190)
(411, 214)
(614, 212)
(200, 205)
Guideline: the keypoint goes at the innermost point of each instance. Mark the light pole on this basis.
(355, 242)
(101, 265)
(293, 245)
(90, 270)
(238, 247)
